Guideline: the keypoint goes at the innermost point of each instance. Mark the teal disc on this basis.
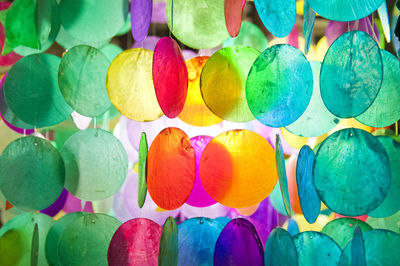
(279, 85)
(381, 248)
(280, 249)
(385, 110)
(315, 247)
(283, 183)
(250, 35)
(95, 164)
(94, 21)
(316, 120)
(342, 230)
(142, 175)
(168, 251)
(351, 74)
(85, 240)
(344, 10)
(308, 25)
(389, 223)
(16, 239)
(31, 173)
(82, 80)
(54, 234)
(358, 249)
(391, 203)
(31, 91)
(352, 172)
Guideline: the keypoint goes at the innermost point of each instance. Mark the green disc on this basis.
(168, 251)
(385, 110)
(341, 230)
(197, 24)
(111, 51)
(381, 248)
(54, 234)
(280, 249)
(316, 120)
(31, 173)
(48, 25)
(283, 183)
(82, 80)
(142, 186)
(250, 35)
(352, 172)
(389, 223)
(351, 74)
(315, 247)
(67, 41)
(93, 20)
(223, 82)
(95, 164)
(85, 240)
(35, 246)
(32, 93)
(391, 203)
(279, 85)
(16, 239)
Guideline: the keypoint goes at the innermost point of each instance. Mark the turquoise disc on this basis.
(283, 183)
(280, 249)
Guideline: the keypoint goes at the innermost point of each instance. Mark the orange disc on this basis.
(238, 168)
(292, 184)
(195, 112)
(171, 168)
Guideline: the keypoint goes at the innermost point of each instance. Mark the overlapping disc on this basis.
(280, 249)
(250, 35)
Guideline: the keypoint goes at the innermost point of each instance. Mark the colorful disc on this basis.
(343, 10)
(351, 74)
(32, 93)
(238, 179)
(195, 112)
(342, 230)
(352, 172)
(279, 85)
(280, 249)
(171, 168)
(199, 197)
(283, 182)
(316, 120)
(381, 248)
(95, 164)
(86, 239)
(277, 17)
(196, 241)
(82, 80)
(233, 16)
(129, 80)
(385, 111)
(37, 172)
(170, 76)
(168, 249)
(96, 20)
(390, 204)
(223, 82)
(142, 173)
(250, 35)
(54, 234)
(136, 242)
(16, 239)
(313, 247)
(198, 24)
(239, 243)
(141, 12)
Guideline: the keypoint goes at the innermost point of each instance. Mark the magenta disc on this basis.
(73, 204)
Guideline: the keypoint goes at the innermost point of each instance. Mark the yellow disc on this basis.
(195, 112)
(303, 225)
(293, 140)
(130, 85)
(350, 123)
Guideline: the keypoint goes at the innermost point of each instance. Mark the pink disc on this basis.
(199, 196)
(11, 58)
(136, 242)
(233, 16)
(170, 77)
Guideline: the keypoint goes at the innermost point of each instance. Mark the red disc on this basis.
(233, 16)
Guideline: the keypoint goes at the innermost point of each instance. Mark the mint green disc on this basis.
(31, 173)
(95, 164)
(95, 21)
(67, 41)
(385, 110)
(250, 35)
(389, 223)
(142, 175)
(82, 80)
(168, 251)
(16, 239)
(32, 93)
(111, 51)
(85, 240)
(342, 230)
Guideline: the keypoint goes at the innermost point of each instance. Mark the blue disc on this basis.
(277, 16)
(309, 200)
(358, 249)
(351, 74)
(279, 85)
(280, 249)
